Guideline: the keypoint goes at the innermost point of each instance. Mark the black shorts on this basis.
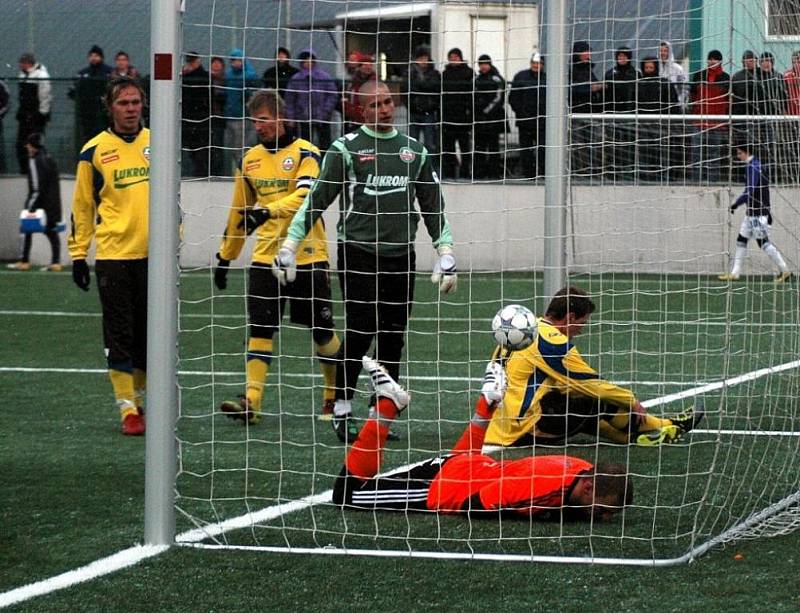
(309, 297)
(403, 490)
(122, 285)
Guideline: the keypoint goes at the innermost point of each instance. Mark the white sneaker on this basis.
(383, 385)
(494, 383)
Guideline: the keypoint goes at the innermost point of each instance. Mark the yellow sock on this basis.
(122, 382)
(328, 367)
(139, 386)
(259, 356)
(611, 433)
(621, 420)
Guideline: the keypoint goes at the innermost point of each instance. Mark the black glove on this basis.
(252, 218)
(80, 274)
(221, 273)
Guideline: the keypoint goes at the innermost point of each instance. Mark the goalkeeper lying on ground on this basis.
(467, 481)
(554, 394)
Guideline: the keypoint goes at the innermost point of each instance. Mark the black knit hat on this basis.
(715, 54)
(96, 49)
(35, 139)
(626, 51)
(484, 59)
(749, 55)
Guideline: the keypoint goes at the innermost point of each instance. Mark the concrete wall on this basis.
(500, 227)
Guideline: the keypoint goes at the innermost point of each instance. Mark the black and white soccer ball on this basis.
(514, 327)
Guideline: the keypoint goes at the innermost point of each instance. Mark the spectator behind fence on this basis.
(490, 120)
(457, 84)
(241, 80)
(654, 95)
(746, 92)
(528, 100)
(424, 99)
(311, 97)
(792, 79)
(773, 86)
(620, 97)
(585, 96)
(195, 111)
(364, 72)
(123, 67)
(43, 193)
(709, 96)
(88, 92)
(5, 103)
(33, 112)
(673, 72)
(278, 76)
(218, 97)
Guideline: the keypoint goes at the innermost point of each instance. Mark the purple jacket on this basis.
(311, 95)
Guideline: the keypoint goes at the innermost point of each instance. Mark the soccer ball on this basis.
(514, 327)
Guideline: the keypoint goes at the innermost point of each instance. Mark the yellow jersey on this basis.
(279, 181)
(112, 197)
(551, 363)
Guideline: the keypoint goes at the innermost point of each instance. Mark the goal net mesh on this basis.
(651, 173)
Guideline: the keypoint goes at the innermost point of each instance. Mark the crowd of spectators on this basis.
(463, 116)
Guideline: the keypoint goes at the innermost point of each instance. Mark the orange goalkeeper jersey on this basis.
(527, 486)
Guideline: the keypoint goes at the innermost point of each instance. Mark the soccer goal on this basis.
(616, 176)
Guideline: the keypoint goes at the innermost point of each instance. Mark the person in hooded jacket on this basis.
(490, 119)
(585, 96)
(654, 95)
(241, 80)
(673, 72)
(528, 99)
(311, 97)
(620, 97)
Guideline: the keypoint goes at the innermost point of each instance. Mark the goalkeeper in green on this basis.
(377, 173)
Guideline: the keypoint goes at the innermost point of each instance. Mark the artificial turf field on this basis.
(73, 486)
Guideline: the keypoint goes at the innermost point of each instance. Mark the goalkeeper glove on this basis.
(494, 383)
(80, 274)
(284, 266)
(252, 219)
(221, 273)
(444, 272)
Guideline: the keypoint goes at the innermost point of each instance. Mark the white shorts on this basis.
(755, 227)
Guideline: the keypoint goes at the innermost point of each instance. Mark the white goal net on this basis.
(659, 95)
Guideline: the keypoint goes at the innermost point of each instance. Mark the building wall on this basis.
(675, 230)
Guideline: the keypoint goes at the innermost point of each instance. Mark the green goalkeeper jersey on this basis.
(377, 177)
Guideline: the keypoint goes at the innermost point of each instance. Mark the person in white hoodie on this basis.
(674, 72)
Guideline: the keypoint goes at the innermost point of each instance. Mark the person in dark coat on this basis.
(528, 100)
(196, 111)
(281, 73)
(33, 110)
(585, 96)
(620, 97)
(490, 119)
(88, 93)
(457, 83)
(654, 95)
(746, 93)
(424, 101)
(43, 193)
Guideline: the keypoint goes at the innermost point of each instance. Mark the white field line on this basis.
(748, 322)
(133, 555)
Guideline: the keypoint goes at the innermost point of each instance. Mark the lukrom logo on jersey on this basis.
(125, 177)
(386, 180)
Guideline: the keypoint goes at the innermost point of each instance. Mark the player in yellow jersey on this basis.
(553, 393)
(271, 184)
(110, 207)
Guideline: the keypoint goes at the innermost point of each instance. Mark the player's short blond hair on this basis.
(117, 85)
(268, 99)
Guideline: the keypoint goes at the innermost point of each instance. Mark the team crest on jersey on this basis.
(407, 155)
(287, 164)
(146, 153)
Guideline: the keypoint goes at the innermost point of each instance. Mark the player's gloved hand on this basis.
(80, 274)
(444, 272)
(221, 273)
(284, 266)
(252, 219)
(494, 383)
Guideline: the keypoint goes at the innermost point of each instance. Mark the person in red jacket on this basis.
(710, 95)
(466, 481)
(792, 79)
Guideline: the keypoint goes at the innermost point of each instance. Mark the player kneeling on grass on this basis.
(757, 219)
(554, 394)
(270, 186)
(465, 481)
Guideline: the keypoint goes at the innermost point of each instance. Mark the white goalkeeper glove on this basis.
(494, 383)
(284, 266)
(444, 272)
